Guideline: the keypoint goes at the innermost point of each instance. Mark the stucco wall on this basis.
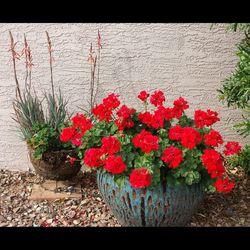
(181, 59)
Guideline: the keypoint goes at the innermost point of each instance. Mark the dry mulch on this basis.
(16, 210)
(227, 210)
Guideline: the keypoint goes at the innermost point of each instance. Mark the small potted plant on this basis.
(51, 158)
(153, 167)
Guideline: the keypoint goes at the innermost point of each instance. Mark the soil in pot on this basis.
(55, 165)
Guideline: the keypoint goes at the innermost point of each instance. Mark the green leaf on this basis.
(211, 189)
(120, 180)
(113, 129)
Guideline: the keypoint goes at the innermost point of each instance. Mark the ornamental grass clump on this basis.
(152, 146)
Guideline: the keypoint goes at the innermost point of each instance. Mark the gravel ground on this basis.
(16, 210)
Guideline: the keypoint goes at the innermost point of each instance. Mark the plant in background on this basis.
(240, 26)
(236, 91)
(27, 106)
(94, 61)
(40, 131)
(152, 146)
(242, 159)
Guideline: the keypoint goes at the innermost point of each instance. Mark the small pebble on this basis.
(49, 221)
(76, 222)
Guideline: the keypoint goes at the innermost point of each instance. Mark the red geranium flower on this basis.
(224, 186)
(146, 118)
(213, 138)
(77, 142)
(175, 133)
(177, 113)
(158, 118)
(157, 98)
(67, 134)
(110, 145)
(140, 178)
(155, 120)
(124, 123)
(112, 101)
(146, 141)
(232, 148)
(81, 122)
(92, 157)
(102, 112)
(114, 164)
(169, 114)
(143, 95)
(203, 118)
(125, 112)
(213, 163)
(172, 156)
(181, 104)
(190, 137)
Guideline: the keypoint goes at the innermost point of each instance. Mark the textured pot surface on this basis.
(159, 206)
(53, 165)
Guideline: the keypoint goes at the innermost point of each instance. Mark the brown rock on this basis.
(46, 191)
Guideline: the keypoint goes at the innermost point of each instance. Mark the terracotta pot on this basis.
(54, 165)
(152, 206)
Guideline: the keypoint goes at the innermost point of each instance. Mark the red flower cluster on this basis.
(213, 163)
(146, 118)
(110, 145)
(180, 137)
(152, 121)
(179, 106)
(114, 164)
(172, 156)
(81, 122)
(224, 186)
(161, 114)
(92, 157)
(111, 102)
(124, 123)
(213, 138)
(103, 111)
(190, 137)
(203, 118)
(232, 148)
(175, 133)
(143, 95)
(157, 98)
(124, 120)
(170, 114)
(74, 133)
(95, 157)
(140, 178)
(146, 141)
(125, 112)
(157, 119)
(67, 134)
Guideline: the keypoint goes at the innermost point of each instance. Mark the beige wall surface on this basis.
(188, 59)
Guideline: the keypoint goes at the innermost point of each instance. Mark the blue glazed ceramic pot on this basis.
(158, 206)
